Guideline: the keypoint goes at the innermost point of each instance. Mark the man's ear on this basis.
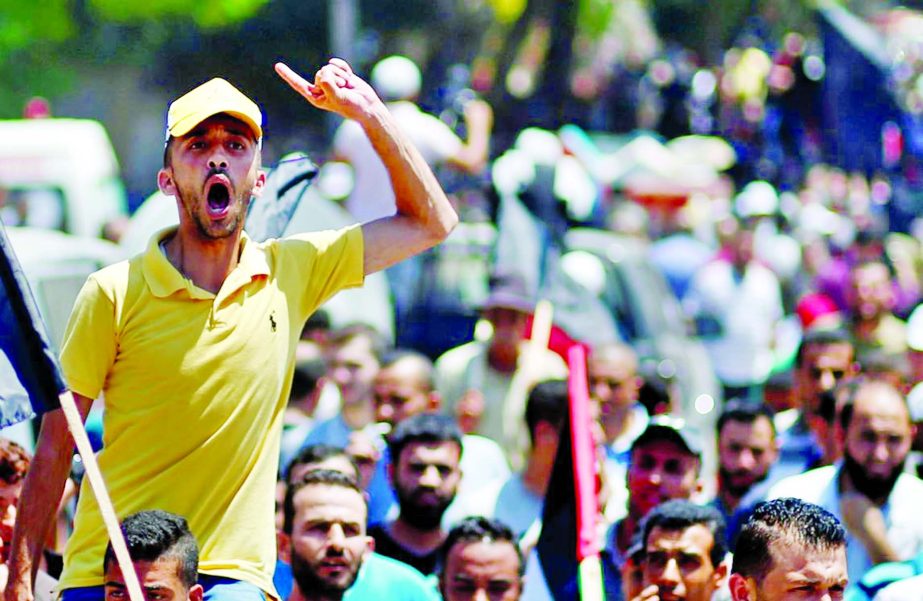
(165, 181)
(284, 546)
(741, 588)
(720, 574)
(196, 593)
(259, 184)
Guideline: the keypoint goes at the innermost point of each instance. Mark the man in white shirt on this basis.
(868, 491)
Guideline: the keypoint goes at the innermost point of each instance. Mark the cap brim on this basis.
(655, 432)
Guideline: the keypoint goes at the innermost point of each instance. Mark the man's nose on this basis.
(431, 477)
(670, 575)
(218, 160)
(827, 380)
(336, 537)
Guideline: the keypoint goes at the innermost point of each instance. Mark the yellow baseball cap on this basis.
(211, 98)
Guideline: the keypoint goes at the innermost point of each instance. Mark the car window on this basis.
(34, 207)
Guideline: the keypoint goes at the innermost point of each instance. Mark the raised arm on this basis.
(38, 504)
(424, 215)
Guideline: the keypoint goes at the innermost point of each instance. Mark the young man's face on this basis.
(160, 581)
(822, 367)
(746, 451)
(399, 392)
(481, 570)
(614, 382)
(660, 470)
(9, 498)
(353, 367)
(796, 574)
(328, 540)
(213, 172)
(679, 563)
(425, 479)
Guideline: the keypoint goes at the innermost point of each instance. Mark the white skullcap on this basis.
(757, 199)
(396, 78)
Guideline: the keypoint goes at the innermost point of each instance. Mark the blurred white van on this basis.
(59, 174)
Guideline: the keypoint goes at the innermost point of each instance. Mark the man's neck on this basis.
(298, 595)
(618, 422)
(206, 262)
(503, 359)
(536, 474)
(418, 542)
(357, 415)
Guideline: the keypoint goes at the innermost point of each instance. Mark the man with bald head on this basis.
(404, 387)
(868, 491)
(612, 370)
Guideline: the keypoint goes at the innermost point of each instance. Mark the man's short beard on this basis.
(737, 492)
(202, 226)
(427, 517)
(310, 583)
(872, 487)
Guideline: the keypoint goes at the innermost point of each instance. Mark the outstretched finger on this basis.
(297, 82)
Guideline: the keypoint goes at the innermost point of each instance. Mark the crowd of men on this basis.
(400, 477)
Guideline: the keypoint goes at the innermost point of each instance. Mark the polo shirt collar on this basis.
(164, 279)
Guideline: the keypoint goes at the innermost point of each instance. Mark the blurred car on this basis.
(59, 174)
(56, 266)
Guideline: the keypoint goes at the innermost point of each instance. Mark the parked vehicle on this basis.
(59, 174)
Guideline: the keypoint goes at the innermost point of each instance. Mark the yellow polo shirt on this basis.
(195, 385)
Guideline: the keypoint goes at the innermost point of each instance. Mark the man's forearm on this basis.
(418, 194)
(41, 493)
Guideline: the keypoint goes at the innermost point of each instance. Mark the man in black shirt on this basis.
(425, 454)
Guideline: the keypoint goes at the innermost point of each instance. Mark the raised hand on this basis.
(335, 88)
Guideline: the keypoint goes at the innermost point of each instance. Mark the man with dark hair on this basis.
(789, 549)
(320, 456)
(377, 575)
(868, 491)
(684, 552)
(517, 501)
(165, 556)
(424, 471)
(825, 358)
(747, 449)
(324, 516)
(480, 560)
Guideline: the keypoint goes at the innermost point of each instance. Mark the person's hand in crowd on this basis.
(335, 88)
(651, 593)
(866, 522)
(470, 410)
(478, 115)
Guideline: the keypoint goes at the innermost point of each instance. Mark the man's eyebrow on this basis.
(115, 584)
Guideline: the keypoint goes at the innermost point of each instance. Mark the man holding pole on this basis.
(193, 341)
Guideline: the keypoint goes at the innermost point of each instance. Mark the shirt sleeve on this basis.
(90, 340)
(323, 263)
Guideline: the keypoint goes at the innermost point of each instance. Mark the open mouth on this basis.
(218, 199)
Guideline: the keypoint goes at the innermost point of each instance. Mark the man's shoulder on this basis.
(460, 355)
(908, 488)
(388, 578)
(807, 486)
